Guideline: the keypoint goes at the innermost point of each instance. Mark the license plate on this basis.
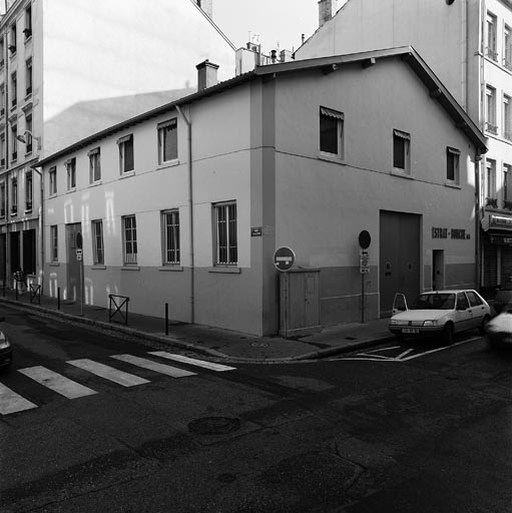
(410, 330)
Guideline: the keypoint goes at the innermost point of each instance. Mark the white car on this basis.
(442, 312)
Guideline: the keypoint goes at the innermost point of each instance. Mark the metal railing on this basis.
(116, 306)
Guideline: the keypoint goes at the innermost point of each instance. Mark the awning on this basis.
(125, 138)
(332, 113)
(402, 135)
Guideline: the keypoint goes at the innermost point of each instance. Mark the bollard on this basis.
(16, 288)
(167, 318)
(58, 298)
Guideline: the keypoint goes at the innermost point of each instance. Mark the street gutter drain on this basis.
(214, 426)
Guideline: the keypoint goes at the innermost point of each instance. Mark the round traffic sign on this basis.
(284, 258)
(364, 239)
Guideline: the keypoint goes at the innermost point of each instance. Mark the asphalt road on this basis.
(412, 428)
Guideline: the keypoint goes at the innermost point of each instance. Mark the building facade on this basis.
(187, 203)
(69, 69)
(468, 44)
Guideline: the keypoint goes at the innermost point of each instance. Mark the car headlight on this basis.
(430, 323)
(4, 343)
(394, 322)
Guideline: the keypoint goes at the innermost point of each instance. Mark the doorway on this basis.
(73, 277)
(438, 269)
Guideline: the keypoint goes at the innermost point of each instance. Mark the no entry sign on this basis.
(284, 258)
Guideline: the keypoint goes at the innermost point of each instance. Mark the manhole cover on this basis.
(259, 344)
(214, 426)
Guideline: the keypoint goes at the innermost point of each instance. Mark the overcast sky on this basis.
(275, 21)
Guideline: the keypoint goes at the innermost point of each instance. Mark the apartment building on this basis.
(187, 203)
(468, 44)
(71, 68)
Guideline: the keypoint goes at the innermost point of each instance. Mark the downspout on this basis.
(478, 224)
(191, 214)
(41, 227)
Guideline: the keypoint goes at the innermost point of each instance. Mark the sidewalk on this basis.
(212, 342)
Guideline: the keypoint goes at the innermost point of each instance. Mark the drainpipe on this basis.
(478, 225)
(191, 214)
(41, 226)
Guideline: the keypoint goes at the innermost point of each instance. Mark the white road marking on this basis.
(374, 356)
(11, 402)
(154, 366)
(401, 356)
(383, 349)
(104, 371)
(217, 367)
(56, 382)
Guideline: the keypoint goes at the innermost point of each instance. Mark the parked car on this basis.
(443, 312)
(5, 350)
(498, 331)
(503, 296)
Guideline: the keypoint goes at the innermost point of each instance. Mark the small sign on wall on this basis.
(257, 231)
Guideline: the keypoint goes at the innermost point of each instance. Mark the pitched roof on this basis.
(327, 64)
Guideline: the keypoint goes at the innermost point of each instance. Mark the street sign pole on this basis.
(364, 263)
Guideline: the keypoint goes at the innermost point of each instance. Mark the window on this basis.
(331, 132)
(507, 48)
(401, 151)
(226, 244)
(490, 183)
(490, 110)
(97, 242)
(28, 190)
(2, 199)
(2, 150)
(507, 117)
(14, 142)
(507, 186)
(94, 166)
(14, 195)
(2, 53)
(28, 22)
(28, 133)
(168, 141)
(14, 96)
(12, 45)
(126, 153)
(462, 301)
(2, 99)
(490, 50)
(130, 240)
(171, 237)
(474, 300)
(452, 164)
(28, 76)
(54, 243)
(52, 174)
(71, 173)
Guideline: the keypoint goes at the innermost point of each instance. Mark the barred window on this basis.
(97, 242)
(171, 237)
(226, 239)
(130, 239)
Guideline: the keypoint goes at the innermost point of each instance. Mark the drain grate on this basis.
(214, 426)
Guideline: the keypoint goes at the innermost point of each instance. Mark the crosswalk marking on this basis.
(105, 371)
(56, 382)
(154, 366)
(217, 367)
(11, 402)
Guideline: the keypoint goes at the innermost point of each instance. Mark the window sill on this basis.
(96, 183)
(169, 163)
(127, 174)
(452, 185)
(225, 270)
(130, 268)
(69, 191)
(401, 173)
(98, 267)
(332, 158)
(54, 264)
(28, 211)
(53, 195)
(171, 268)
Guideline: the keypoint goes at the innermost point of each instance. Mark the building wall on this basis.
(321, 205)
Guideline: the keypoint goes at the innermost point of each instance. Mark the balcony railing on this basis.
(507, 63)
(507, 204)
(492, 129)
(14, 210)
(507, 136)
(491, 53)
(491, 202)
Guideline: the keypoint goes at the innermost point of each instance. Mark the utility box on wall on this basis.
(299, 302)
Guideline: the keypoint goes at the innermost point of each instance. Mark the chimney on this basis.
(324, 11)
(206, 74)
(206, 6)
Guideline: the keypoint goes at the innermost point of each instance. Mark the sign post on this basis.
(364, 263)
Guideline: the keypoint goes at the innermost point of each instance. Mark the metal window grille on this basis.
(130, 240)
(97, 232)
(226, 234)
(54, 242)
(171, 237)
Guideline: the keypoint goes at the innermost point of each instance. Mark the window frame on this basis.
(14, 90)
(94, 165)
(404, 138)
(490, 179)
(70, 166)
(163, 131)
(491, 36)
(326, 137)
(131, 241)
(507, 117)
(171, 245)
(230, 248)
(98, 245)
(124, 143)
(490, 110)
(28, 77)
(14, 196)
(54, 243)
(29, 191)
(52, 181)
(3, 199)
(452, 165)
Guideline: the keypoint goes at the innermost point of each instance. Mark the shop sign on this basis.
(501, 221)
(450, 233)
(500, 240)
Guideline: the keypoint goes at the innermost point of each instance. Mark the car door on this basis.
(463, 314)
(477, 307)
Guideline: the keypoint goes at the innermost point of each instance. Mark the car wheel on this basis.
(485, 320)
(448, 333)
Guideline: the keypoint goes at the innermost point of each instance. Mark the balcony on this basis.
(491, 128)
(491, 202)
(14, 210)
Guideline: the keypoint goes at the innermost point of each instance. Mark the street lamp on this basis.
(22, 138)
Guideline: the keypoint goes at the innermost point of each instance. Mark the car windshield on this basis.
(434, 302)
